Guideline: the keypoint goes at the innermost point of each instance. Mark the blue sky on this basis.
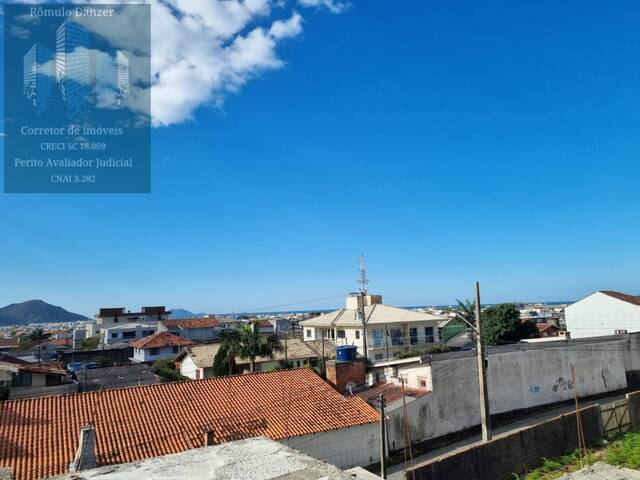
(449, 141)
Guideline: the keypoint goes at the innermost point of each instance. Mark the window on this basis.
(308, 333)
(428, 334)
(413, 335)
(377, 338)
(22, 379)
(114, 335)
(146, 333)
(357, 334)
(422, 381)
(128, 334)
(378, 356)
(154, 351)
(176, 349)
(396, 336)
(116, 320)
(341, 334)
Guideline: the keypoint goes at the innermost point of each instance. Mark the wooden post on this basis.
(485, 414)
(383, 439)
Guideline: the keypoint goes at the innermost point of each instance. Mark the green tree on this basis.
(38, 336)
(245, 342)
(501, 324)
(90, 343)
(467, 310)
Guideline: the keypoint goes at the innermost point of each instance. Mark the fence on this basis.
(615, 417)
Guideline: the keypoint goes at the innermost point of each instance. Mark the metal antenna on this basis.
(363, 275)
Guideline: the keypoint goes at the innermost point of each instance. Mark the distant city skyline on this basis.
(448, 142)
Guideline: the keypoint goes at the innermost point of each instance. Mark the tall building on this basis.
(37, 81)
(73, 66)
(122, 76)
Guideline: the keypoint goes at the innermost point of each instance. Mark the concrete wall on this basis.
(188, 368)
(344, 448)
(500, 458)
(517, 380)
(599, 314)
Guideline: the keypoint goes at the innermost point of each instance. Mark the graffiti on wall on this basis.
(562, 384)
(534, 389)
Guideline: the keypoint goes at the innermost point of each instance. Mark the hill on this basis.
(178, 313)
(36, 311)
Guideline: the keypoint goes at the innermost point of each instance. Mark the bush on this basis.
(170, 374)
(625, 453)
(90, 343)
(104, 362)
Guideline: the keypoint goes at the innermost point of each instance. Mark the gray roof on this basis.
(376, 314)
(117, 377)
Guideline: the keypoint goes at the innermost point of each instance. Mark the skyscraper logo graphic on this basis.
(37, 82)
(85, 77)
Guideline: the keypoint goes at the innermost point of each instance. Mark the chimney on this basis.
(345, 376)
(208, 438)
(85, 458)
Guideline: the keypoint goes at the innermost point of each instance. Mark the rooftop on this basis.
(391, 392)
(40, 436)
(256, 458)
(623, 296)
(187, 323)
(161, 339)
(376, 314)
(203, 355)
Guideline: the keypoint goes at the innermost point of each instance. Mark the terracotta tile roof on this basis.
(40, 435)
(265, 323)
(60, 342)
(623, 296)
(161, 339)
(192, 323)
(545, 326)
(8, 342)
(51, 368)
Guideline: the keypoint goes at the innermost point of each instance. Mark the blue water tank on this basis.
(346, 353)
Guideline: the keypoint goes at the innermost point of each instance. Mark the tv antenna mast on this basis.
(363, 280)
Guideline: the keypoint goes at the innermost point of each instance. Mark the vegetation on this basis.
(554, 468)
(430, 350)
(501, 324)
(90, 343)
(625, 452)
(167, 369)
(36, 336)
(104, 362)
(467, 310)
(245, 342)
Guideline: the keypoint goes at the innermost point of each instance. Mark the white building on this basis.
(111, 317)
(603, 313)
(389, 330)
(126, 333)
(158, 346)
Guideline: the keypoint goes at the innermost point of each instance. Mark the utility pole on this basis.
(324, 368)
(485, 415)
(363, 291)
(383, 439)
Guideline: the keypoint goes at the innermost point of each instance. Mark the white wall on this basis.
(344, 448)
(599, 314)
(517, 379)
(188, 367)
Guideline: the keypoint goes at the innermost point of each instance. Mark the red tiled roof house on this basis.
(158, 346)
(296, 407)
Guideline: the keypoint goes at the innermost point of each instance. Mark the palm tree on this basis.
(467, 310)
(246, 343)
(38, 336)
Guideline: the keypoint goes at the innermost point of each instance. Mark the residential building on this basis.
(20, 379)
(7, 344)
(201, 330)
(110, 317)
(126, 333)
(603, 313)
(295, 407)
(158, 346)
(266, 327)
(390, 331)
(197, 362)
(547, 330)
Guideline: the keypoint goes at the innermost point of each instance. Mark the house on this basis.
(126, 333)
(197, 362)
(390, 331)
(603, 313)
(110, 317)
(205, 329)
(294, 407)
(19, 378)
(266, 327)
(158, 346)
(547, 330)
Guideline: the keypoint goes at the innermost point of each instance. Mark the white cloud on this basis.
(201, 50)
(334, 6)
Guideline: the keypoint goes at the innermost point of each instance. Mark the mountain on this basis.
(36, 311)
(177, 313)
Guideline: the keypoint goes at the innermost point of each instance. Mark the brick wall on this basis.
(340, 374)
